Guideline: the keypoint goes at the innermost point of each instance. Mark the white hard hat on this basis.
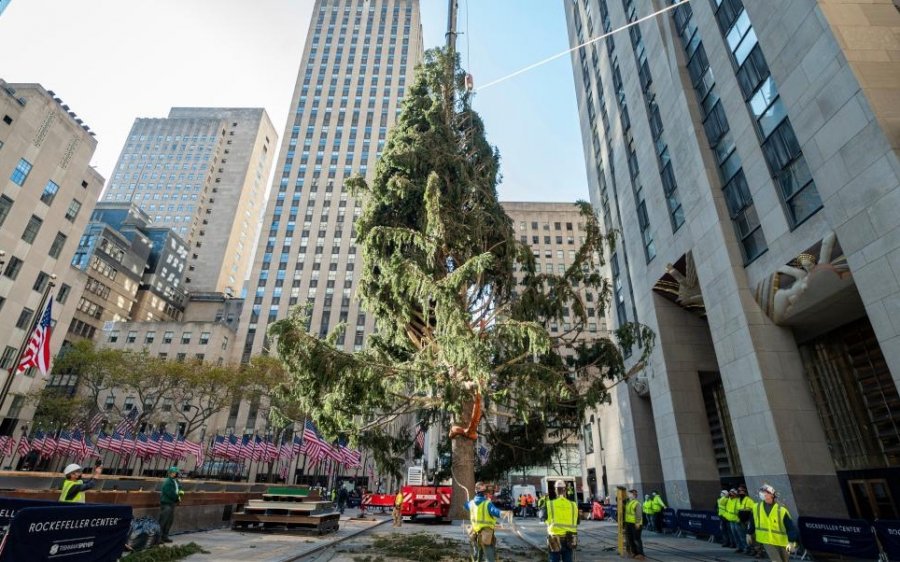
(560, 484)
(71, 468)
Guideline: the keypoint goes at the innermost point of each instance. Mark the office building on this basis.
(202, 173)
(555, 232)
(132, 271)
(47, 193)
(747, 154)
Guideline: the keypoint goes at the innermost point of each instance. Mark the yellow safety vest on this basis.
(731, 510)
(67, 485)
(722, 502)
(562, 517)
(657, 504)
(631, 511)
(480, 516)
(398, 501)
(770, 528)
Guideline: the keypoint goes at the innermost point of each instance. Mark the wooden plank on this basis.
(313, 520)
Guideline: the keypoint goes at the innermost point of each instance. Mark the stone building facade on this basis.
(747, 152)
(47, 192)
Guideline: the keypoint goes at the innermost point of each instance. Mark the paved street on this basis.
(357, 543)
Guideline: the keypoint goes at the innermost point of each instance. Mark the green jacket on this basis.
(169, 492)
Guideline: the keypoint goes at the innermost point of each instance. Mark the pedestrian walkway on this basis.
(597, 542)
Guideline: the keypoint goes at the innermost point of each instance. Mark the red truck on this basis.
(420, 502)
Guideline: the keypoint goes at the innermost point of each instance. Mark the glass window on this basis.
(49, 192)
(32, 229)
(13, 267)
(63, 294)
(131, 337)
(167, 336)
(72, 212)
(57, 245)
(204, 338)
(186, 337)
(20, 174)
(5, 206)
(24, 318)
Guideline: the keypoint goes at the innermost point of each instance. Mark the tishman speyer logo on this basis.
(82, 546)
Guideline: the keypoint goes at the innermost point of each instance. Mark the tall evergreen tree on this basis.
(455, 333)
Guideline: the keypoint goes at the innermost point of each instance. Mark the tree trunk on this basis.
(463, 467)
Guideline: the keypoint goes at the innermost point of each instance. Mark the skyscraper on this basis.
(359, 58)
(747, 153)
(202, 173)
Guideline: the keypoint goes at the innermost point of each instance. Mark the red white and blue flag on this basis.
(37, 354)
(314, 447)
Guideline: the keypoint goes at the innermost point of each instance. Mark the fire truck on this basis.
(421, 501)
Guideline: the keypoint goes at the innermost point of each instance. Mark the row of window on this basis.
(715, 124)
(167, 337)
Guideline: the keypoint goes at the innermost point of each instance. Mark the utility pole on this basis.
(451, 26)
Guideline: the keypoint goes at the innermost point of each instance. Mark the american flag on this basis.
(37, 354)
(167, 446)
(96, 422)
(192, 448)
(129, 422)
(144, 447)
(220, 446)
(283, 471)
(420, 438)
(7, 445)
(349, 457)
(233, 447)
(45, 444)
(271, 450)
(24, 447)
(90, 450)
(314, 447)
(256, 449)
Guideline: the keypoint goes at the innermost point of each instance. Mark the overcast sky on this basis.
(114, 60)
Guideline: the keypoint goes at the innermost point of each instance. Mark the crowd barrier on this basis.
(39, 530)
(852, 538)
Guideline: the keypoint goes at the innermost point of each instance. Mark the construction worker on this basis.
(773, 527)
(523, 504)
(658, 507)
(634, 517)
(721, 508)
(73, 487)
(169, 496)
(483, 516)
(738, 538)
(542, 506)
(562, 525)
(647, 508)
(398, 510)
(745, 507)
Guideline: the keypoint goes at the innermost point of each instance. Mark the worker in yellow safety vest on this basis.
(398, 510)
(562, 525)
(73, 487)
(483, 515)
(725, 526)
(773, 527)
(647, 508)
(634, 515)
(658, 506)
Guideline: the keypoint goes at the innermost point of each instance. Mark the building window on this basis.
(131, 337)
(180, 357)
(73, 209)
(167, 336)
(588, 433)
(13, 267)
(204, 338)
(150, 337)
(5, 206)
(24, 318)
(7, 357)
(110, 402)
(186, 337)
(20, 174)
(63, 294)
(41, 282)
(57, 245)
(129, 404)
(113, 336)
(49, 192)
(32, 229)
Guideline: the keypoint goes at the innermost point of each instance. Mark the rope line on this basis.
(575, 48)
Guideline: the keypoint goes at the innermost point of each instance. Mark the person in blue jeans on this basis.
(483, 515)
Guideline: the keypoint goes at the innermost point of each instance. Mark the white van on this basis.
(523, 490)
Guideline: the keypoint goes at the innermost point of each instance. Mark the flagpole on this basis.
(34, 322)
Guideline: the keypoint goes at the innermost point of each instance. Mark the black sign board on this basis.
(847, 537)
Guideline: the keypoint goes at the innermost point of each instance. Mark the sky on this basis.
(112, 61)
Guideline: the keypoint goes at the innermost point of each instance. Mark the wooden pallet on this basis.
(314, 516)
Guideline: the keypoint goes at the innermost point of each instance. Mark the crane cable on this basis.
(575, 48)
